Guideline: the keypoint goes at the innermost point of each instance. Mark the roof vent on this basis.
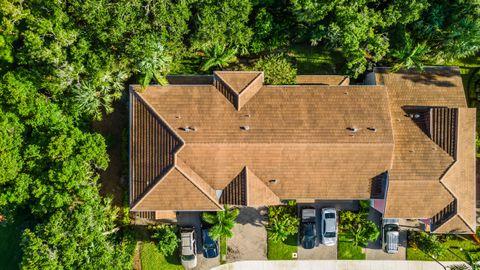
(372, 129)
(178, 116)
(272, 181)
(188, 129)
(247, 115)
(245, 128)
(353, 129)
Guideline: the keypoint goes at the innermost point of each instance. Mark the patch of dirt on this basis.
(114, 179)
(137, 259)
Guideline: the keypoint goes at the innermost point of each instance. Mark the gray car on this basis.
(328, 232)
(189, 247)
(390, 234)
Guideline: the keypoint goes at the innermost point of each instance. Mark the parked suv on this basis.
(329, 226)
(390, 233)
(308, 232)
(189, 247)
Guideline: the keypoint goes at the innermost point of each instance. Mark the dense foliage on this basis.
(282, 221)
(167, 238)
(357, 228)
(277, 69)
(429, 243)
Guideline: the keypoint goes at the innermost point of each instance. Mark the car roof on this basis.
(187, 243)
(330, 225)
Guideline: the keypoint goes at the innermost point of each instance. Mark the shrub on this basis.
(357, 228)
(282, 221)
(167, 238)
(222, 222)
(277, 69)
(430, 244)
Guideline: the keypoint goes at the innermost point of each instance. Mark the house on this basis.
(406, 141)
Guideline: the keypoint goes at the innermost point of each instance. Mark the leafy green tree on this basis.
(277, 69)
(218, 57)
(167, 238)
(282, 222)
(410, 55)
(223, 222)
(222, 23)
(357, 228)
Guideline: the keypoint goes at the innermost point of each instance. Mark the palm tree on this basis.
(223, 222)
(220, 56)
(155, 65)
(410, 56)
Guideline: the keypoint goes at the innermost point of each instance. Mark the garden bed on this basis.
(454, 245)
(282, 250)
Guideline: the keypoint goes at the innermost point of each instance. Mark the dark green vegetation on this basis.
(421, 247)
(63, 63)
(222, 222)
(355, 232)
(282, 222)
(167, 238)
(282, 250)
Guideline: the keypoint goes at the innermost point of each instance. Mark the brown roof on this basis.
(241, 142)
(433, 153)
(323, 79)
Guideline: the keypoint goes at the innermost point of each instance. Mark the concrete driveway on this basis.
(249, 241)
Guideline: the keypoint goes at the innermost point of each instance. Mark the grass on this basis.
(223, 250)
(313, 60)
(282, 250)
(153, 259)
(347, 251)
(453, 243)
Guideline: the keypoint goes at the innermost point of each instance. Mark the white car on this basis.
(390, 234)
(328, 232)
(189, 247)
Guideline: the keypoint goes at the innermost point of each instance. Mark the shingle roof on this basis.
(241, 142)
(323, 79)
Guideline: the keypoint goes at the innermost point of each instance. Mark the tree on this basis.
(410, 55)
(167, 238)
(430, 244)
(282, 222)
(222, 23)
(277, 69)
(218, 56)
(223, 222)
(357, 228)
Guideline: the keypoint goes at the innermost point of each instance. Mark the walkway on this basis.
(334, 265)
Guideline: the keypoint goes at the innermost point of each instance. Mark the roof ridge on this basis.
(182, 167)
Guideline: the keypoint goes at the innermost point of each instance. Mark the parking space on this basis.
(320, 251)
(193, 219)
(374, 250)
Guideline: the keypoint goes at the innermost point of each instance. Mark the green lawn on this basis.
(282, 250)
(152, 259)
(347, 251)
(312, 60)
(452, 254)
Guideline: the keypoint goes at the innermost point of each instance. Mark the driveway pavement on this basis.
(193, 219)
(249, 241)
(320, 251)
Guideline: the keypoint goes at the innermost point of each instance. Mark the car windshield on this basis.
(209, 246)
(330, 234)
(391, 227)
(329, 215)
(188, 257)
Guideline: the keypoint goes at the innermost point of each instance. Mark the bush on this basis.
(167, 238)
(277, 69)
(357, 228)
(430, 244)
(282, 222)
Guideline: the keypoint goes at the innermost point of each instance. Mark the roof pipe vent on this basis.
(188, 129)
(372, 129)
(353, 129)
(245, 128)
(272, 181)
